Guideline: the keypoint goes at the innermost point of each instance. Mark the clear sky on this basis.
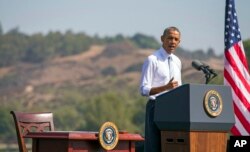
(200, 21)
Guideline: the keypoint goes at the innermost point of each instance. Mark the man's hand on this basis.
(172, 84)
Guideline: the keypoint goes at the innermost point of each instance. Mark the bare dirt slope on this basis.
(86, 68)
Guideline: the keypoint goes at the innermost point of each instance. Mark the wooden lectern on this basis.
(195, 118)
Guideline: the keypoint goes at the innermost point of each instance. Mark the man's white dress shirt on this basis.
(156, 71)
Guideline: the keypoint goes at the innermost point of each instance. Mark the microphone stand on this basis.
(208, 76)
(205, 69)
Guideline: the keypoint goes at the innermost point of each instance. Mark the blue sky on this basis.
(200, 21)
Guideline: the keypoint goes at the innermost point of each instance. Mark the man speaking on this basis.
(161, 72)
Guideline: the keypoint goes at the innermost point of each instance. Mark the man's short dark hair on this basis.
(171, 28)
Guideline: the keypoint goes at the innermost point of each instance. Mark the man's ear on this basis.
(162, 38)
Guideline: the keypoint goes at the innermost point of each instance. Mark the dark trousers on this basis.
(152, 133)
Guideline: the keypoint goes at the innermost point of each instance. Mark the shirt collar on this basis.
(164, 53)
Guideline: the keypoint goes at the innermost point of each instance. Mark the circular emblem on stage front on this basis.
(213, 103)
(108, 136)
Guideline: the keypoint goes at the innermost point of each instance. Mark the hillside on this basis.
(89, 69)
(85, 90)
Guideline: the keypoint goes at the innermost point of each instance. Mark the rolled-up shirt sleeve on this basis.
(146, 77)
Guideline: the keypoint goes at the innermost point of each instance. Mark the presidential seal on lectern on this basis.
(108, 135)
(213, 103)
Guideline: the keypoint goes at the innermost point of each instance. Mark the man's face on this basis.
(170, 41)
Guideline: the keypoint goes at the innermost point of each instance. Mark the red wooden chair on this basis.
(31, 122)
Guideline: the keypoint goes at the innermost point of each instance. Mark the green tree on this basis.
(37, 51)
(7, 129)
(143, 41)
(246, 44)
(1, 29)
(109, 107)
(12, 47)
(54, 43)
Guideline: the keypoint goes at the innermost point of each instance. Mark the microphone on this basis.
(205, 68)
(209, 69)
(200, 66)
